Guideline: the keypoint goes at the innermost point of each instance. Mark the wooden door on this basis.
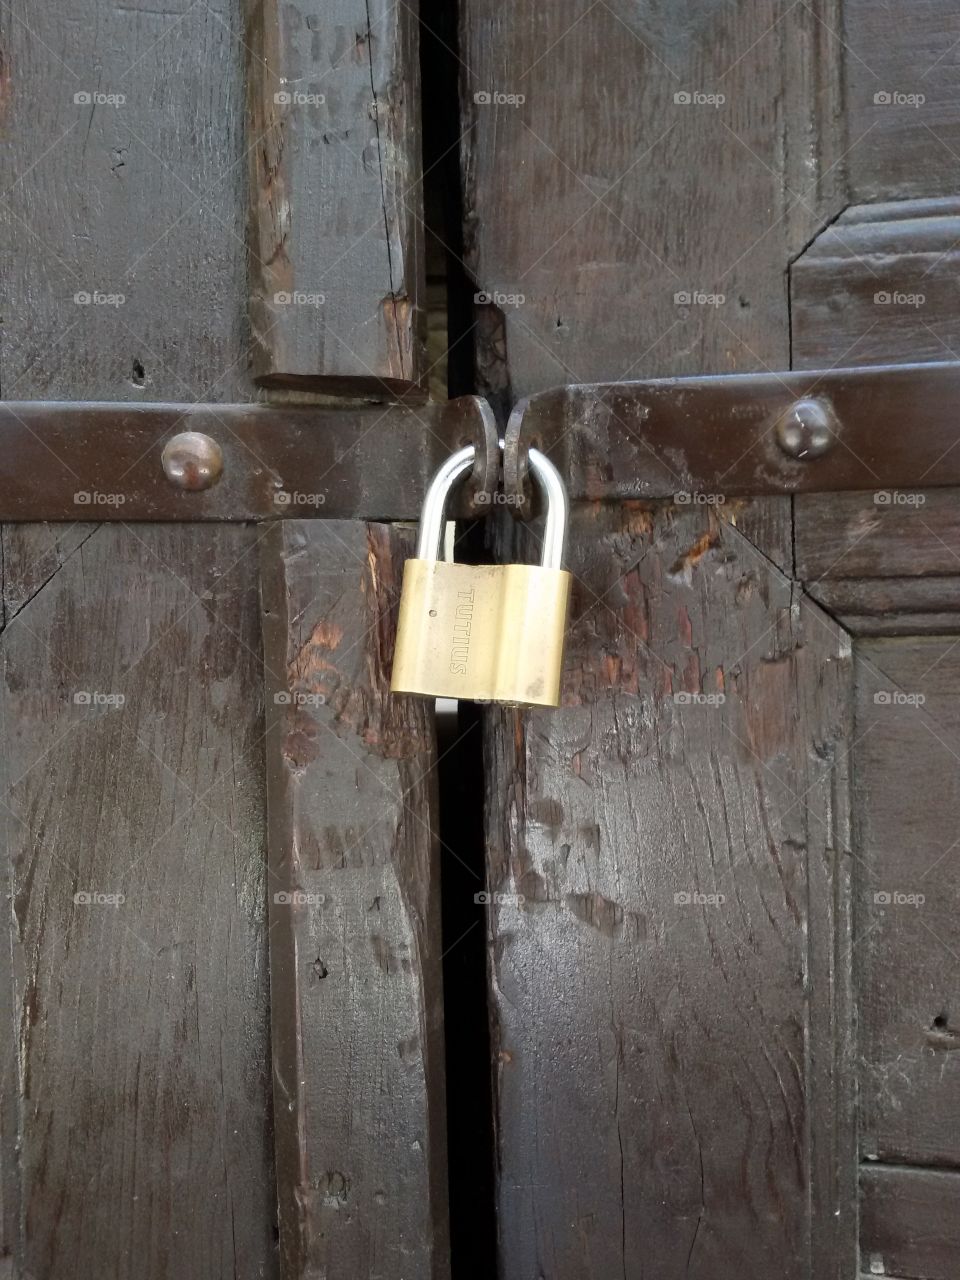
(660, 983)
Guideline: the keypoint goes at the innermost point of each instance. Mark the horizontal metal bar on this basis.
(96, 461)
(892, 427)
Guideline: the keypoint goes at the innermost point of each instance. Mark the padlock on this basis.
(488, 633)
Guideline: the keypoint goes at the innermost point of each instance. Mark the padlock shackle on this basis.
(547, 477)
(435, 503)
(558, 509)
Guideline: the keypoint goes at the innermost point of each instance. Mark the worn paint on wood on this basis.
(354, 915)
(337, 270)
(671, 1009)
(134, 830)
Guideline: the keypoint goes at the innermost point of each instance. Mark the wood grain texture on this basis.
(908, 744)
(911, 1223)
(143, 199)
(337, 263)
(884, 534)
(671, 1014)
(142, 1038)
(879, 284)
(638, 197)
(903, 81)
(143, 1129)
(891, 606)
(354, 916)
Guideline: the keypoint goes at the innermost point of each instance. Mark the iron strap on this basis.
(878, 428)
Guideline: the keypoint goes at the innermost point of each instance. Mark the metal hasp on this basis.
(740, 435)
(488, 633)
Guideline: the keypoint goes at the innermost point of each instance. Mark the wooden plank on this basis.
(902, 118)
(888, 533)
(651, 1058)
(137, 1139)
(891, 606)
(879, 285)
(354, 915)
(911, 1223)
(337, 271)
(636, 206)
(135, 838)
(908, 742)
(140, 199)
(670, 1065)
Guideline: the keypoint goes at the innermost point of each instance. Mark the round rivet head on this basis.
(807, 429)
(192, 461)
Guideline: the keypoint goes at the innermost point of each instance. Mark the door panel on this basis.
(684, 1086)
(670, 954)
(221, 984)
(133, 798)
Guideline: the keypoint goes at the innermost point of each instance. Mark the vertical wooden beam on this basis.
(354, 916)
(141, 1125)
(337, 272)
(132, 812)
(670, 1097)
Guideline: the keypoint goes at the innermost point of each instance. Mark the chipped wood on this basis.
(337, 263)
(354, 915)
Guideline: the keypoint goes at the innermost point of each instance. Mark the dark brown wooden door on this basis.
(662, 983)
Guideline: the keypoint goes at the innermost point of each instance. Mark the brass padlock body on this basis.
(481, 632)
